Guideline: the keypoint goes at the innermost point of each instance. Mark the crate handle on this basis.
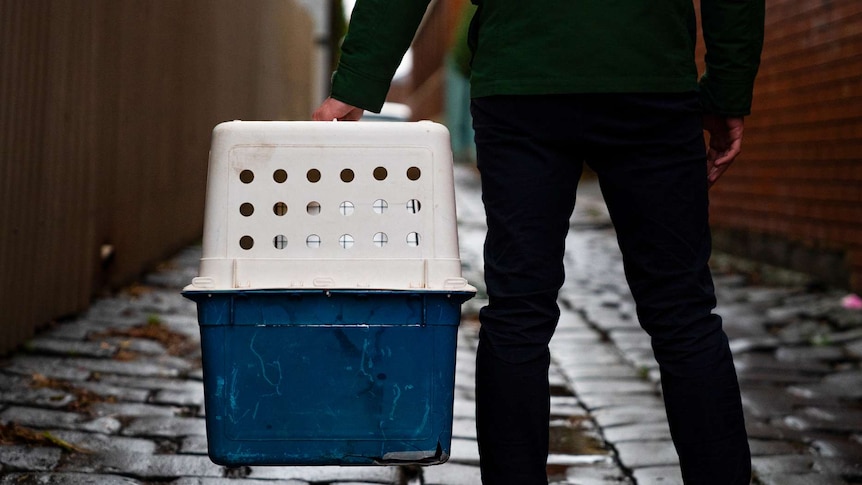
(323, 282)
(204, 282)
(454, 283)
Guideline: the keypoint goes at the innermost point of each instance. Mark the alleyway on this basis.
(116, 396)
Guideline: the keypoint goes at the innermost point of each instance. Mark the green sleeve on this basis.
(379, 34)
(733, 33)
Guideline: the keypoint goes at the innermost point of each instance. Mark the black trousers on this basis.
(648, 151)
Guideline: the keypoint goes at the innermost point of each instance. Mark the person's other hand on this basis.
(725, 143)
(333, 109)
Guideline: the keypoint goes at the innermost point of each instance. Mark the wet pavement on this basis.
(115, 396)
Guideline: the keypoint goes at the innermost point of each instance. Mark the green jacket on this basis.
(569, 46)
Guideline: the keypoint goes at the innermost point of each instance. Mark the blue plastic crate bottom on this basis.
(329, 393)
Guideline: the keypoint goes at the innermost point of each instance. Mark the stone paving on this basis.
(115, 396)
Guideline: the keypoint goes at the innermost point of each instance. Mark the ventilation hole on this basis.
(380, 173)
(279, 209)
(347, 175)
(313, 241)
(346, 208)
(413, 239)
(246, 176)
(380, 206)
(280, 242)
(246, 209)
(313, 208)
(246, 242)
(413, 206)
(380, 239)
(346, 241)
(313, 175)
(280, 176)
(413, 173)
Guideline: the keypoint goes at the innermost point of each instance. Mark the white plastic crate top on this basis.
(337, 205)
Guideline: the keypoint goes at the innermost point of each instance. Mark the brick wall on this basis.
(794, 198)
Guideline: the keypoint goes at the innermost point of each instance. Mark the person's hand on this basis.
(725, 143)
(333, 109)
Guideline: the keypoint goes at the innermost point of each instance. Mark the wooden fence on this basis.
(106, 109)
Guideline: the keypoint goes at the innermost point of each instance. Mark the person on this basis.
(556, 84)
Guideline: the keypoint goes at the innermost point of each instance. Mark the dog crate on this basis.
(329, 293)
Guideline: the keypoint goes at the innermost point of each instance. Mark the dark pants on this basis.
(648, 152)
